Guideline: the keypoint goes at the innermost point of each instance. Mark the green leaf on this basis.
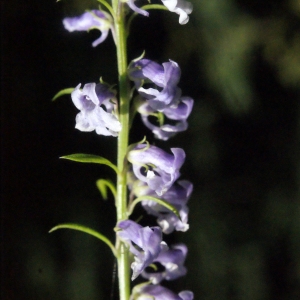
(103, 184)
(157, 200)
(103, 2)
(90, 158)
(63, 92)
(160, 118)
(88, 231)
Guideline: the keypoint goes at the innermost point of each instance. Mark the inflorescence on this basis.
(152, 174)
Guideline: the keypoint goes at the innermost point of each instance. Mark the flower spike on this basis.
(146, 174)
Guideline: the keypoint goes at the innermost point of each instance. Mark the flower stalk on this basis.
(124, 104)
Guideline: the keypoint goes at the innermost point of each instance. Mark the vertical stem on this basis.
(121, 202)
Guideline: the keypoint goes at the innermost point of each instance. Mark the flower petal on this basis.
(136, 9)
(180, 7)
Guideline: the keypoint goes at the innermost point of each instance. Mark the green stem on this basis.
(124, 92)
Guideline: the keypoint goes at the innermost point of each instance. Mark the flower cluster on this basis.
(164, 100)
(152, 173)
(155, 173)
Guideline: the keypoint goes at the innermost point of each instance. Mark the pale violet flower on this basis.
(156, 167)
(94, 19)
(163, 96)
(165, 78)
(96, 105)
(145, 243)
(158, 292)
(177, 114)
(181, 7)
(169, 265)
(178, 196)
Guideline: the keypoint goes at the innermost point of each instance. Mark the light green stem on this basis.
(124, 91)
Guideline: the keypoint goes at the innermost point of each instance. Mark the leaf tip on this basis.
(52, 229)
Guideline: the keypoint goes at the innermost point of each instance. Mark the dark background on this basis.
(240, 61)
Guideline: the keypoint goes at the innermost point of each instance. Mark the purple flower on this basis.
(180, 7)
(145, 243)
(136, 9)
(94, 19)
(156, 167)
(165, 77)
(178, 195)
(168, 265)
(178, 112)
(158, 292)
(95, 102)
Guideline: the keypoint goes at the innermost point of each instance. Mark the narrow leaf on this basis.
(90, 158)
(103, 184)
(67, 91)
(154, 6)
(157, 200)
(88, 231)
(103, 2)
